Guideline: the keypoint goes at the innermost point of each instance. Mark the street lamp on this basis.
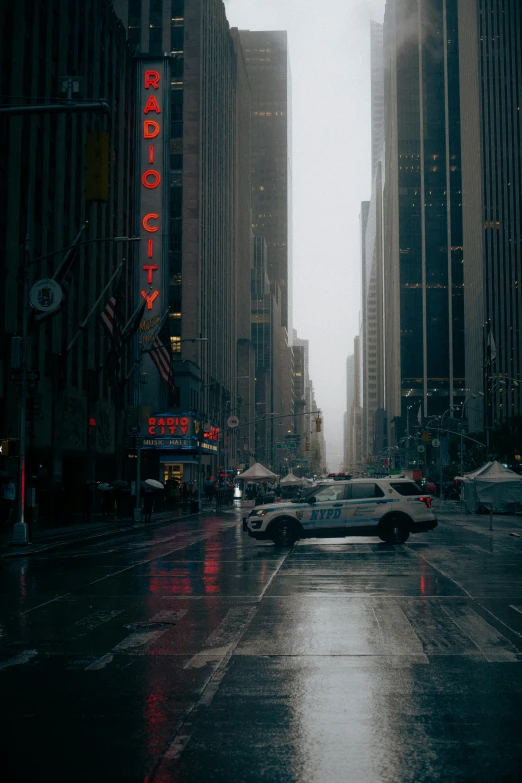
(469, 397)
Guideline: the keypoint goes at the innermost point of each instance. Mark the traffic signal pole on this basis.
(21, 528)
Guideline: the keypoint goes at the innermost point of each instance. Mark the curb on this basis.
(30, 549)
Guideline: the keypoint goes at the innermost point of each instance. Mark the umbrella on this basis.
(120, 484)
(153, 484)
(104, 487)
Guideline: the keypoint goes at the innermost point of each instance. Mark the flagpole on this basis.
(69, 251)
(93, 308)
(125, 333)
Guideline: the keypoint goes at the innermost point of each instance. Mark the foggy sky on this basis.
(329, 43)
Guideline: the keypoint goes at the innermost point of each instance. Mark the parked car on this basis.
(389, 508)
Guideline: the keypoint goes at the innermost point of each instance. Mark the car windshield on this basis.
(306, 493)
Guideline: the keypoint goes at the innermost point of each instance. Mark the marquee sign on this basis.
(183, 431)
(152, 115)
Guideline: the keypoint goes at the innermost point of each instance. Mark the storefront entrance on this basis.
(173, 471)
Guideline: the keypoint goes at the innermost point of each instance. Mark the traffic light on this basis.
(318, 423)
(306, 445)
(426, 437)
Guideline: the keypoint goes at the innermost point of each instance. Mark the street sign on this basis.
(435, 442)
(420, 449)
(232, 422)
(289, 445)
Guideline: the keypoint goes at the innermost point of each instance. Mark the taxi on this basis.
(391, 508)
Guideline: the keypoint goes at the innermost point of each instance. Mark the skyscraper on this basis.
(491, 97)
(373, 435)
(266, 56)
(193, 203)
(423, 262)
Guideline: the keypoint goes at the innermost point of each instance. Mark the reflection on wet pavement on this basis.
(198, 654)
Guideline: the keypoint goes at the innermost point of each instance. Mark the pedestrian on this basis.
(169, 492)
(148, 505)
(184, 493)
(8, 499)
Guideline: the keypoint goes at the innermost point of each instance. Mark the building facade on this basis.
(491, 96)
(195, 227)
(423, 262)
(348, 435)
(268, 67)
(67, 176)
(372, 333)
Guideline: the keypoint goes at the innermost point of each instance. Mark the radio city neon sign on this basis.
(168, 425)
(151, 179)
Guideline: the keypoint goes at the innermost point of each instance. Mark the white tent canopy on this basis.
(256, 472)
(492, 486)
(290, 480)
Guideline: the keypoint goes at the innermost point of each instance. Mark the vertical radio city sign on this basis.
(152, 117)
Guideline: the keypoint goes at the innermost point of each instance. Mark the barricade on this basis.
(224, 498)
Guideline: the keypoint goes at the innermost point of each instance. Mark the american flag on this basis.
(161, 355)
(109, 318)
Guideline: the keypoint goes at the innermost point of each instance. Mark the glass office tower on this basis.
(423, 263)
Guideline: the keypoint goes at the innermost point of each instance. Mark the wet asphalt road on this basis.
(188, 652)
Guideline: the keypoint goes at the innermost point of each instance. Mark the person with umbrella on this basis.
(150, 485)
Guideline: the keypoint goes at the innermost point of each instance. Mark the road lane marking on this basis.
(219, 642)
(193, 534)
(101, 663)
(18, 660)
(91, 622)
(180, 741)
(491, 643)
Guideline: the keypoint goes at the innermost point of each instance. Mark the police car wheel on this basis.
(283, 532)
(394, 529)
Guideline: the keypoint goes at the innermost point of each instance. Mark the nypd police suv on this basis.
(391, 508)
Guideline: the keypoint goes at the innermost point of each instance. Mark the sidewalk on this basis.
(453, 510)
(53, 538)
